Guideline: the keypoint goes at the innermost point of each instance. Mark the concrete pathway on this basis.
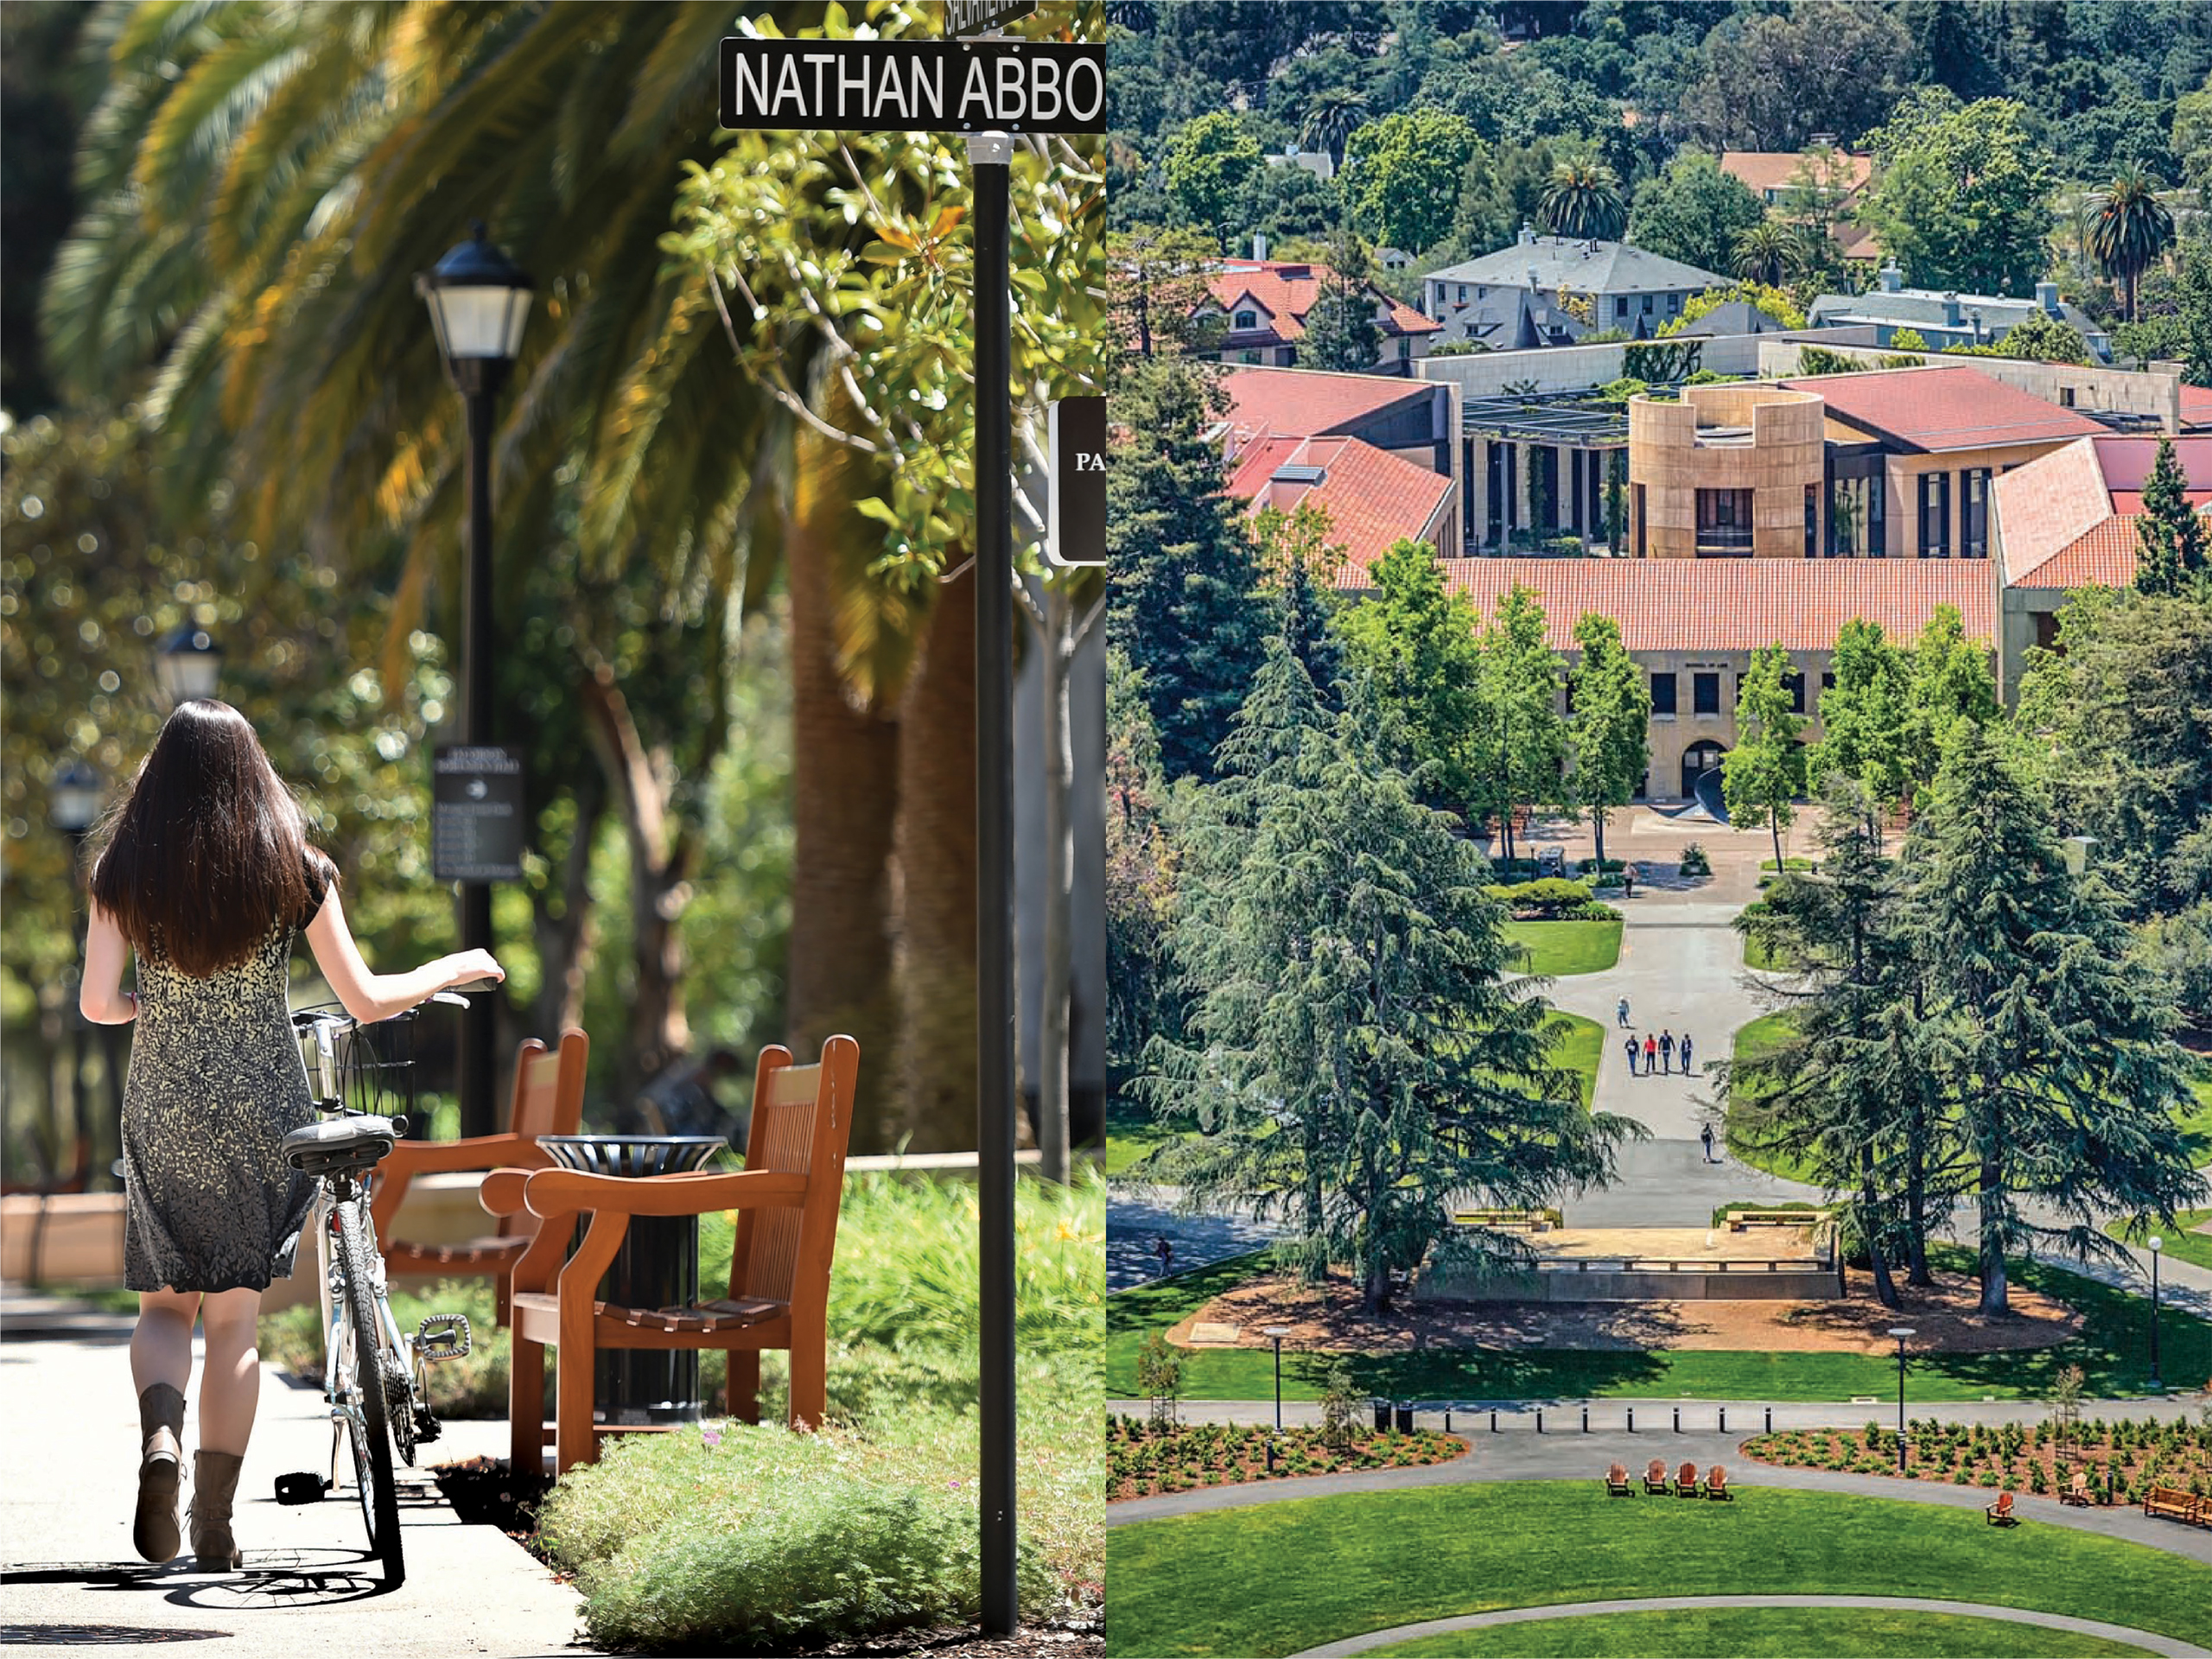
(68, 1476)
(1372, 1639)
(1572, 1456)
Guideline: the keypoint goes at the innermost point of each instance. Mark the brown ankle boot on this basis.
(214, 1480)
(161, 1466)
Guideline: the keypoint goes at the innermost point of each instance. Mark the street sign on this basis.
(1076, 530)
(983, 17)
(476, 813)
(913, 85)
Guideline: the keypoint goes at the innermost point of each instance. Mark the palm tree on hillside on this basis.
(1767, 253)
(2132, 228)
(1583, 200)
(1335, 115)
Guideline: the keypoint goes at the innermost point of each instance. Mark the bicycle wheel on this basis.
(370, 1421)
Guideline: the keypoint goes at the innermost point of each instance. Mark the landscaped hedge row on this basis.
(1143, 1459)
(1552, 898)
(2123, 1459)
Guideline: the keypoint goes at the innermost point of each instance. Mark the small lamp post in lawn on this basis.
(74, 802)
(2156, 1245)
(1277, 1332)
(189, 661)
(1901, 1331)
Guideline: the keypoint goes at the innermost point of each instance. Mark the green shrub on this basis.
(1695, 862)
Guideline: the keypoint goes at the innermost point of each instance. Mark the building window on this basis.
(1673, 305)
(1705, 694)
(1812, 521)
(1794, 685)
(1974, 510)
(1647, 305)
(1245, 320)
(1248, 357)
(1620, 305)
(1935, 515)
(1405, 348)
(1663, 694)
(1639, 515)
(1877, 529)
(1724, 521)
(2066, 397)
(1463, 293)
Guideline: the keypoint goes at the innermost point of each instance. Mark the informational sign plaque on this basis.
(476, 813)
(1078, 515)
(992, 85)
(983, 17)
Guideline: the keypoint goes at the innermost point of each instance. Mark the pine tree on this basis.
(1184, 606)
(1608, 731)
(1358, 1061)
(1299, 563)
(2049, 1044)
(1764, 773)
(2170, 533)
(1341, 330)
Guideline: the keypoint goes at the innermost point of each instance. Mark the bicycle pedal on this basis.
(427, 1428)
(444, 1336)
(301, 1489)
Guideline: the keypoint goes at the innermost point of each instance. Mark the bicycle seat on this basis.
(346, 1145)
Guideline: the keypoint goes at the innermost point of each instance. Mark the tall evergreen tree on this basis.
(1341, 330)
(1358, 1061)
(2169, 534)
(1298, 564)
(1764, 773)
(2051, 1044)
(1184, 606)
(1583, 200)
(2133, 229)
(1609, 727)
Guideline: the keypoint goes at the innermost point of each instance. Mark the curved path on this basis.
(1372, 1639)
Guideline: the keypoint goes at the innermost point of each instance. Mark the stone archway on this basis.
(1699, 758)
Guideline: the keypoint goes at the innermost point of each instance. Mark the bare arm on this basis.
(370, 996)
(100, 996)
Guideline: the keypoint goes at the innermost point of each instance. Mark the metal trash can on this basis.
(1405, 1420)
(1382, 1415)
(656, 1267)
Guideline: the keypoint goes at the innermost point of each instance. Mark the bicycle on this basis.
(375, 1379)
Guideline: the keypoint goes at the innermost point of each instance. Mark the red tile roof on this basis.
(1310, 402)
(1373, 498)
(1938, 409)
(1734, 604)
(2195, 407)
(1287, 291)
(1773, 169)
(2068, 518)
(2103, 557)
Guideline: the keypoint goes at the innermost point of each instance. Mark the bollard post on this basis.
(1631, 1419)
(1447, 1420)
(1493, 1421)
(1769, 1420)
(1723, 1420)
(1540, 1419)
(1585, 1419)
(1678, 1420)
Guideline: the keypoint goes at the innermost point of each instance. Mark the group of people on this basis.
(1658, 1052)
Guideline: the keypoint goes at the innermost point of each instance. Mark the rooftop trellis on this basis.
(1570, 420)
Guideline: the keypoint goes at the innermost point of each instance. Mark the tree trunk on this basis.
(1375, 1288)
(659, 855)
(1597, 826)
(936, 955)
(1774, 823)
(565, 942)
(1885, 1291)
(1992, 1199)
(1058, 645)
(844, 805)
(1915, 1209)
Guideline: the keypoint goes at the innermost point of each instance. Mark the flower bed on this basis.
(2123, 1459)
(1143, 1461)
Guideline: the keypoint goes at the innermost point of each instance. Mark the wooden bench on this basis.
(2173, 1503)
(1740, 1220)
(1536, 1221)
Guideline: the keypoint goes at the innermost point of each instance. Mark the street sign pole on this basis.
(989, 156)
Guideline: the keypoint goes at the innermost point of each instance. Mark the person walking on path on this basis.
(1705, 1135)
(1631, 1053)
(204, 873)
(1667, 1051)
(1163, 1247)
(1687, 1067)
(1628, 880)
(1650, 1056)
(1620, 1014)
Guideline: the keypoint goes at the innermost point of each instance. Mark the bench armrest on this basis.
(501, 1192)
(552, 1192)
(477, 1152)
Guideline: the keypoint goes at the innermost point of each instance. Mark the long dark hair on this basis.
(209, 852)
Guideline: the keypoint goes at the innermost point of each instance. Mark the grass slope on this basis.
(1560, 948)
(1369, 1561)
(1764, 1633)
(2113, 1350)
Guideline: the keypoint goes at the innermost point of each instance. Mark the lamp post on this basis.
(2077, 851)
(1901, 1331)
(1278, 1332)
(478, 300)
(73, 801)
(2156, 1245)
(189, 661)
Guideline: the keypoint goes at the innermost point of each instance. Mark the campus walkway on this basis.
(68, 1440)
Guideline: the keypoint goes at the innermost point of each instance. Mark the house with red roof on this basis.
(2067, 521)
(1265, 303)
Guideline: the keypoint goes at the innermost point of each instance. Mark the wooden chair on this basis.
(1716, 1485)
(548, 1099)
(1655, 1477)
(1686, 1482)
(787, 1197)
(2000, 1513)
(2077, 1495)
(1616, 1482)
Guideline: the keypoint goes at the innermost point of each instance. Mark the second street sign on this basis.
(982, 16)
(913, 85)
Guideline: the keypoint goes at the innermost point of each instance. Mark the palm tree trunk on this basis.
(936, 958)
(565, 942)
(844, 805)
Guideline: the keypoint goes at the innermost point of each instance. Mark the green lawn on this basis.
(1763, 1036)
(1131, 1133)
(2182, 1241)
(1371, 1561)
(1764, 1633)
(2113, 1350)
(1557, 948)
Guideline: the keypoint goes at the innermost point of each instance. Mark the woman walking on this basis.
(204, 873)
